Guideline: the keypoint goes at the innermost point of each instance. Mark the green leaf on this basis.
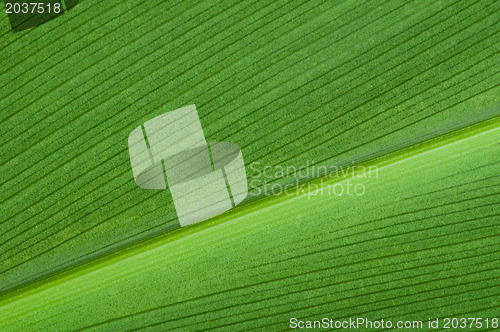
(421, 242)
(409, 87)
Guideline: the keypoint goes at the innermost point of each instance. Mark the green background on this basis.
(290, 82)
